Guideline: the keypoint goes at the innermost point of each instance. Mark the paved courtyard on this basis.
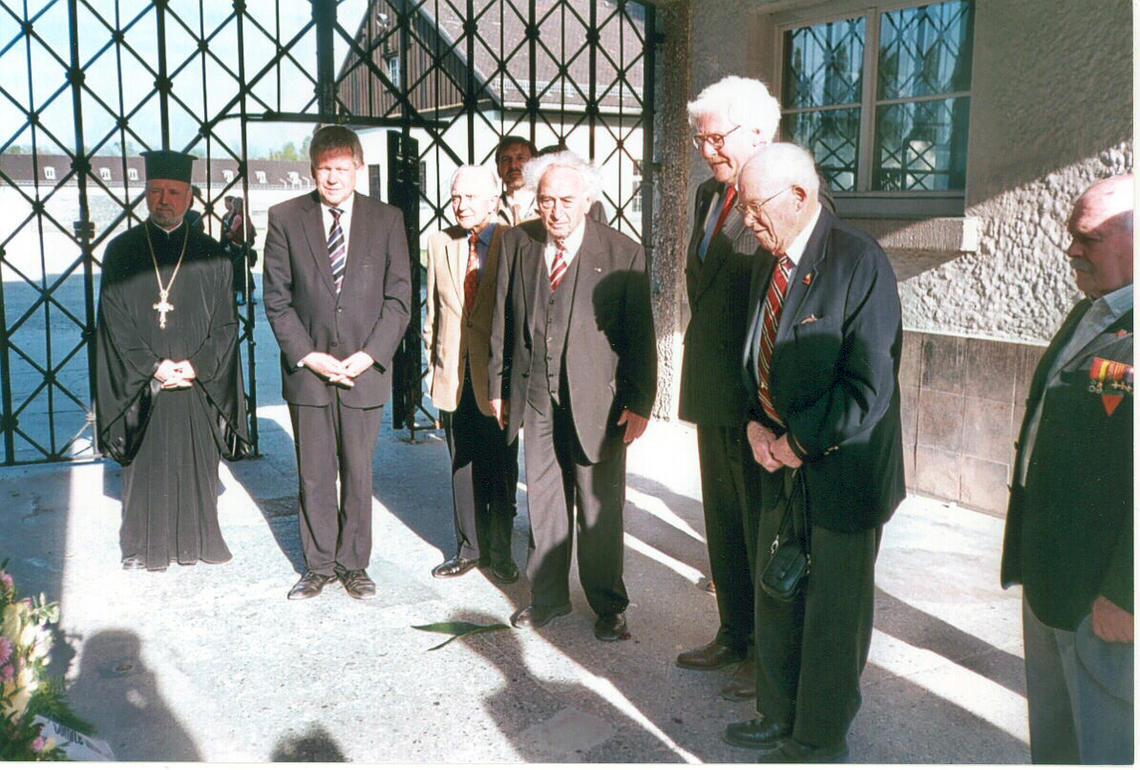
(212, 663)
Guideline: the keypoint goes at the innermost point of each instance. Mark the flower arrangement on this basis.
(26, 692)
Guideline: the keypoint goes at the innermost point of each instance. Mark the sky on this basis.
(120, 78)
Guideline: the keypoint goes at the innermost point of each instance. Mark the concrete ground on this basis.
(212, 662)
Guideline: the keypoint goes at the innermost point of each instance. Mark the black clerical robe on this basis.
(169, 441)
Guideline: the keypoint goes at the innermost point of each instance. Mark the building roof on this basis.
(111, 170)
(501, 55)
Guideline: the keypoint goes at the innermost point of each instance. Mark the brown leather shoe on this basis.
(311, 584)
(742, 687)
(712, 656)
(356, 583)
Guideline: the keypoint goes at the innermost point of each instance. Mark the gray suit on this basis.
(335, 428)
(567, 363)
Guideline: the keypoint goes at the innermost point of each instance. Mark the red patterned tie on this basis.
(773, 304)
(558, 268)
(471, 280)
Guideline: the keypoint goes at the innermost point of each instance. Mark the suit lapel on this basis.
(591, 266)
(486, 292)
(1100, 340)
(813, 261)
(314, 227)
(455, 252)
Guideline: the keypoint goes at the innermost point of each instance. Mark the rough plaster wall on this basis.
(1051, 111)
(670, 220)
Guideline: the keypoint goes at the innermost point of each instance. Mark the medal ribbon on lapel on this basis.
(1113, 376)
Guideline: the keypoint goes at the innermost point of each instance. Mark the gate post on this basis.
(407, 363)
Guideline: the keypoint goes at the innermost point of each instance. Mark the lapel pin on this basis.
(597, 269)
(807, 280)
(1121, 332)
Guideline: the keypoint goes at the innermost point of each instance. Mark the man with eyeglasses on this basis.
(731, 120)
(821, 363)
(574, 360)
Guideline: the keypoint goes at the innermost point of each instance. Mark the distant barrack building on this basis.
(27, 169)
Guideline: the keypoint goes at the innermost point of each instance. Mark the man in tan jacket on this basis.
(461, 271)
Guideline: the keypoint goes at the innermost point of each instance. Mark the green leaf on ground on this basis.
(458, 628)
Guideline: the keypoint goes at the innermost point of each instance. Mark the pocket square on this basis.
(808, 319)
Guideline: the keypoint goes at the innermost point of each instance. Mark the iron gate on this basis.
(88, 84)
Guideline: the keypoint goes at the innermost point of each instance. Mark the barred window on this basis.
(883, 98)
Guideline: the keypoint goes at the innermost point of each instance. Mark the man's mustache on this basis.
(1082, 265)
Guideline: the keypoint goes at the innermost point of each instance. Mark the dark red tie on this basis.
(729, 199)
(773, 304)
(471, 279)
(558, 267)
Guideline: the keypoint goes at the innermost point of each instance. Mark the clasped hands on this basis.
(769, 451)
(337, 371)
(175, 375)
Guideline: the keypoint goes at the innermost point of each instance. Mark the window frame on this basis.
(863, 201)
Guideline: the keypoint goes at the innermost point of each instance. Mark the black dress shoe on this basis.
(762, 733)
(742, 686)
(356, 583)
(310, 585)
(506, 572)
(712, 656)
(454, 567)
(533, 616)
(796, 753)
(133, 562)
(610, 627)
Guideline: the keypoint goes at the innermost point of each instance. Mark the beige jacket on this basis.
(453, 336)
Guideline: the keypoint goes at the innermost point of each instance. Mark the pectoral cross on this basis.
(163, 307)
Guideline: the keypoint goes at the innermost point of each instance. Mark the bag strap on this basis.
(796, 496)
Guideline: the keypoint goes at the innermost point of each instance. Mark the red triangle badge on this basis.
(1110, 403)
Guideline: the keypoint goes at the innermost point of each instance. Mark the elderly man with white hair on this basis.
(463, 263)
(731, 120)
(821, 363)
(574, 360)
(1069, 529)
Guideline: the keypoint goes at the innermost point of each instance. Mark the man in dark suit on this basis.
(574, 359)
(1068, 537)
(337, 294)
(821, 357)
(732, 119)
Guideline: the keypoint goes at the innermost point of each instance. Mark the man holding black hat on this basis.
(169, 386)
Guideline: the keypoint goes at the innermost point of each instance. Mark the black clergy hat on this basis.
(168, 164)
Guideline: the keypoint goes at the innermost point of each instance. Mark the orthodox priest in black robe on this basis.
(169, 393)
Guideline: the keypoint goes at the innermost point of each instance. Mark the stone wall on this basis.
(963, 400)
(1050, 112)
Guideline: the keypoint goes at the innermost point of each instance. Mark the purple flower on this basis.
(39, 744)
(6, 579)
(5, 649)
(7, 674)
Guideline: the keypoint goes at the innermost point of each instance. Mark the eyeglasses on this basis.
(755, 208)
(716, 140)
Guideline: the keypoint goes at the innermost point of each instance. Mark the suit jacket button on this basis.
(340, 310)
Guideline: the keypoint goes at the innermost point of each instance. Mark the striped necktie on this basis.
(773, 304)
(558, 268)
(471, 279)
(337, 250)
